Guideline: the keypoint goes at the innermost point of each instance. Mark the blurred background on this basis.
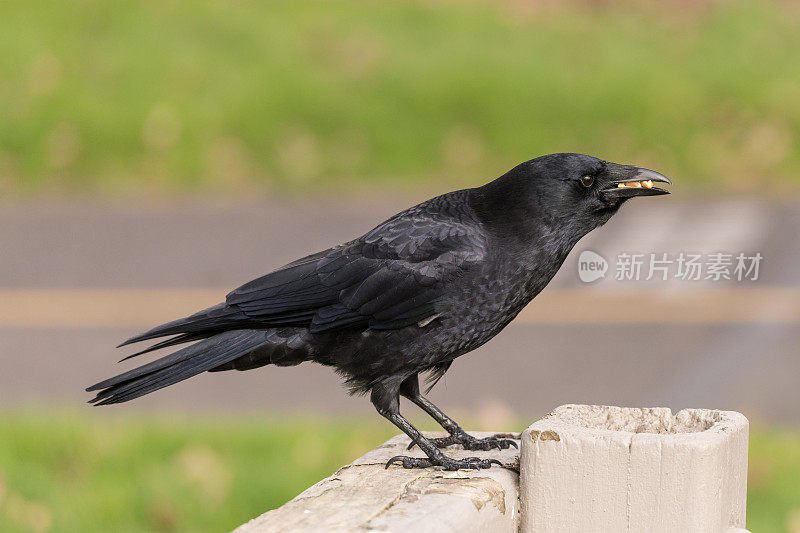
(154, 155)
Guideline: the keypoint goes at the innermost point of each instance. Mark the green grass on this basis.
(132, 474)
(773, 498)
(140, 95)
(70, 472)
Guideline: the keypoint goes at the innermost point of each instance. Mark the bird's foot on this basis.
(448, 463)
(472, 443)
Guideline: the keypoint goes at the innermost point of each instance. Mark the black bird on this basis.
(426, 286)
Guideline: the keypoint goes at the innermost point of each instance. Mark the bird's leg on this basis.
(410, 389)
(386, 400)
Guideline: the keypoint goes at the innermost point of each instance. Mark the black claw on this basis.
(392, 460)
(500, 444)
(471, 443)
(488, 443)
(470, 463)
(441, 442)
(410, 462)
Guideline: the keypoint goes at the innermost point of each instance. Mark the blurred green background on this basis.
(207, 98)
(216, 96)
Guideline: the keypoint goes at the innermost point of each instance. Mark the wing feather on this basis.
(393, 276)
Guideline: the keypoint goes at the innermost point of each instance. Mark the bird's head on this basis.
(585, 187)
(570, 194)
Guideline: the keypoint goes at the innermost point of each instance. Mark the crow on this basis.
(426, 286)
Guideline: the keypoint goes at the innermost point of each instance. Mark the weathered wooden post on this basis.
(597, 468)
(583, 469)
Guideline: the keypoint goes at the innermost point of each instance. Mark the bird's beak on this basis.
(629, 181)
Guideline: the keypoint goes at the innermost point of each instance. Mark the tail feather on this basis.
(178, 366)
(221, 317)
(218, 317)
(180, 339)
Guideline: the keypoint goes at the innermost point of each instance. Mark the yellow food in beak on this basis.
(647, 184)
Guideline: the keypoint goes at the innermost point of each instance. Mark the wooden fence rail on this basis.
(583, 469)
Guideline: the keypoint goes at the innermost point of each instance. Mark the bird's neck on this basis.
(521, 227)
(533, 243)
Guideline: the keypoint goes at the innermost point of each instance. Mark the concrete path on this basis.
(76, 280)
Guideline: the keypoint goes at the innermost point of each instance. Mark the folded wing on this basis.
(390, 278)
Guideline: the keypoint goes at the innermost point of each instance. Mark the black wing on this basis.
(390, 278)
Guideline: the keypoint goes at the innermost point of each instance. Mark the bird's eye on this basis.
(587, 181)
